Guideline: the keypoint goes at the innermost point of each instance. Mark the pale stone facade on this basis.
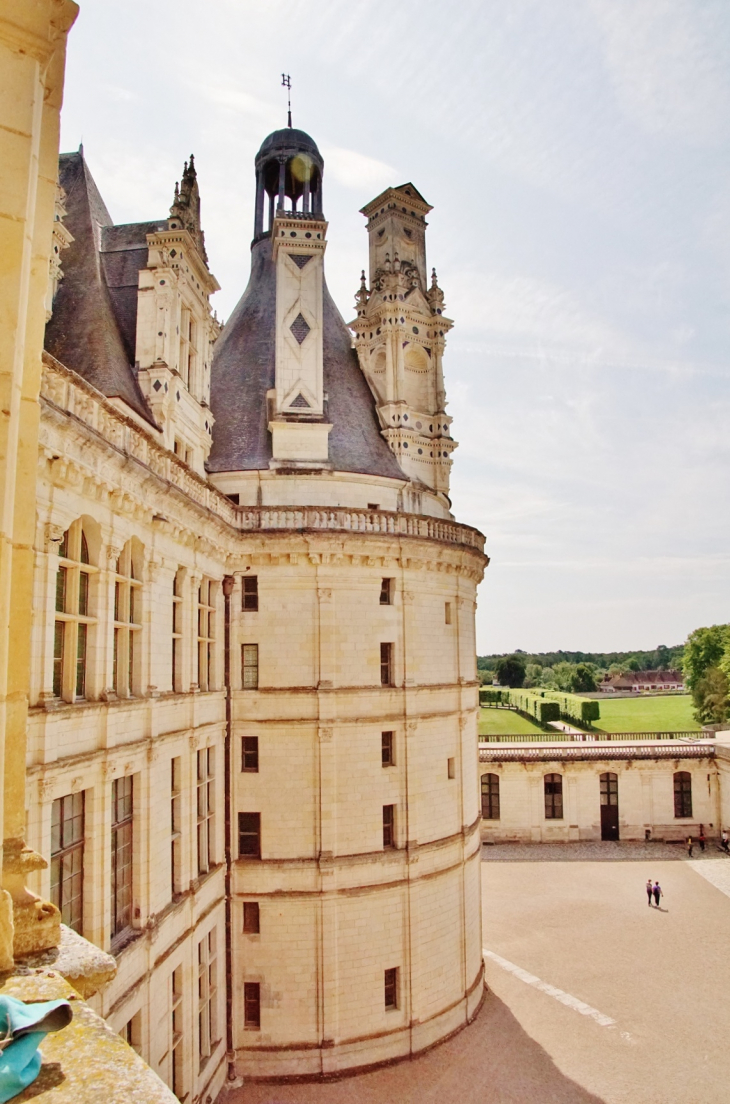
(662, 790)
(252, 737)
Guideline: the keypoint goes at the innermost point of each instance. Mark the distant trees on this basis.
(510, 670)
(710, 697)
(584, 679)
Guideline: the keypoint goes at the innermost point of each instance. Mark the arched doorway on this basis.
(609, 806)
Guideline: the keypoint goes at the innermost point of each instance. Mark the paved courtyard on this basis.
(594, 998)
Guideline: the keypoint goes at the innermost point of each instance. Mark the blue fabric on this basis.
(27, 1025)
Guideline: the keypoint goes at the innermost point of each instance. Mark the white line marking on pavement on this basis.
(551, 990)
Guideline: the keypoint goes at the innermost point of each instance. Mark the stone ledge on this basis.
(86, 1062)
(82, 964)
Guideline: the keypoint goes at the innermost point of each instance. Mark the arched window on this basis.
(490, 796)
(553, 797)
(73, 620)
(127, 621)
(683, 794)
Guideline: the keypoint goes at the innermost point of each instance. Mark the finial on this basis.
(286, 83)
(192, 163)
(434, 281)
(387, 266)
(177, 190)
(185, 169)
(362, 279)
(396, 263)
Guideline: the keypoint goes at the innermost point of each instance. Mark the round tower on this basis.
(356, 923)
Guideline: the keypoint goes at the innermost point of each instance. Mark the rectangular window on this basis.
(387, 749)
(386, 664)
(447, 613)
(58, 642)
(207, 990)
(132, 1032)
(206, 633)
(127, 621)
(388, 825)
(61, 577)
(252, 1005)
(553, 796)
(490, 796)
(121, 872)
(249, 835)
(251, 918)
(176, 1055)
(250, 753)
(206, 808)
(175, 825)
(250, 666)
(386, 592)
(391, 987)
(250, 592)
(67, 859)
(177, 610)
(683, 794)
(81, 632)
(451, 767)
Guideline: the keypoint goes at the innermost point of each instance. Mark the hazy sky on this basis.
(576, 153)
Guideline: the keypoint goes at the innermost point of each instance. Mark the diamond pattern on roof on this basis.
(300, 328)
(300, 403)
(300, 259)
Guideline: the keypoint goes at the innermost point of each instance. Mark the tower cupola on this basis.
(289, 169)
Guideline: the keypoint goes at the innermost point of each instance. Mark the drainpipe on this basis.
(228, 584)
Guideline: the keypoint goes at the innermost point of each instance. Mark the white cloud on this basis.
(668, 70)
(355, 170)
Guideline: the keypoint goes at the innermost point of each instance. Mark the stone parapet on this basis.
(86, 1061)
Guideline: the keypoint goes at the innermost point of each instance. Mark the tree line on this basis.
(704, 660)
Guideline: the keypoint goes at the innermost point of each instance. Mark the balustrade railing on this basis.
(592, 737)
(67, 390)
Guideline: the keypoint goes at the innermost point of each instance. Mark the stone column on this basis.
(32, 60)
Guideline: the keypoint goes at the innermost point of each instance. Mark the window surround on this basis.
(127, 622)
(73, 624)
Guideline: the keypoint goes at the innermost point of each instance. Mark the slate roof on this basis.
(243, 370)
(93, 325)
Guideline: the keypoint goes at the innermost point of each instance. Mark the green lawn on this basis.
(647, 714)
(504, 722)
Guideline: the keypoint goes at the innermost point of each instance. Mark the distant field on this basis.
(647, 714)
(505, 722)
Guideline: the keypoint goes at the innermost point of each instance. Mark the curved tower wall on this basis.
(337, 908)
(355, 883)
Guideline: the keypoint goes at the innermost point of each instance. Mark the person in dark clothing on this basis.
(657, 893)
(701, 837)
(649, 891)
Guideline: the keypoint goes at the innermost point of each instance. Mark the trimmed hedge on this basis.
(494, 696)
(534, 705)
(575, 708)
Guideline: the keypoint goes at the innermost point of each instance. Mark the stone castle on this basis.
(252, 738)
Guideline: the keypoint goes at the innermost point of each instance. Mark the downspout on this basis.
(228, 584)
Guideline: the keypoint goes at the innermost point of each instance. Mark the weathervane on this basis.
(286, 83)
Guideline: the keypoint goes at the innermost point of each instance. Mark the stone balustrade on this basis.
(71, 393)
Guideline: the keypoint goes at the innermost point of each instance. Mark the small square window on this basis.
(451, 767)
(387, 749)
(447, 612)
(249, 835)
(388, 825)
(391, 987)
(386, 592)
(386, 665)
(251, 922)
(250, 753)
(252, 1005)
(250, 666)
(250, 593)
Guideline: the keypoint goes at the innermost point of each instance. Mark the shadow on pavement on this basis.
(491, 1062)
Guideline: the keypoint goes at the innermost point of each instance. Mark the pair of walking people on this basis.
(654, 891)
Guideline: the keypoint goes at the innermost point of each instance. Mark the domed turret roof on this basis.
(288, 140)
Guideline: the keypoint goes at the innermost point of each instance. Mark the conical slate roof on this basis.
(243, 370)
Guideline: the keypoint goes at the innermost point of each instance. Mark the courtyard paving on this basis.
(594, 998)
